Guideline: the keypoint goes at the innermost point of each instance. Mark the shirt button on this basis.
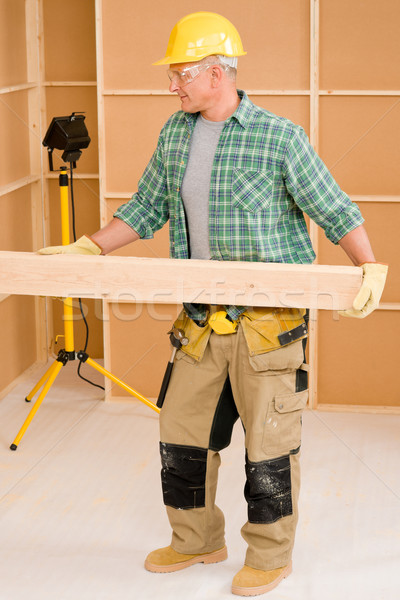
(182, 163)
(280, 406)
(178, 189)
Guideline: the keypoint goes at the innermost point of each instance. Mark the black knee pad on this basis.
(183, 475)
(268, 490)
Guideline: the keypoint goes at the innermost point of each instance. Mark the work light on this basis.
(68, 134)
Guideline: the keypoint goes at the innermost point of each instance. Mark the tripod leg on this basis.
(123, 385)
(41, 382)
(55, 370)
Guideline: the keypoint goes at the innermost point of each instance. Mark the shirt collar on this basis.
(245, 111)
(243, 114)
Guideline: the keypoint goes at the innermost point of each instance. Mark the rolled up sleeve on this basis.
(315, 191)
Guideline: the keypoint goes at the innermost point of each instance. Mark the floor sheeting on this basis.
(81, 505)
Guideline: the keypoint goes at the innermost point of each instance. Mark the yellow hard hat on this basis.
(199, 35)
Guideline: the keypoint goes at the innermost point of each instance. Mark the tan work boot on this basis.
(167, 560)
(252, 582)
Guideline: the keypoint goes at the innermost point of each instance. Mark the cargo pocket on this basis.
(288, 357)
(282, 428)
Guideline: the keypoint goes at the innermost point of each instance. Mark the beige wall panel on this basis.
(141, 345)
(295, 108)
(132, 127)
(382, 223)
(274, 34)
(18, 318)
(70, 45)
(359, 143)
(62, 102)
(14, 142)
(15, 222)
(357, 362)
(18, 337)
(12, 42)
(360, 44)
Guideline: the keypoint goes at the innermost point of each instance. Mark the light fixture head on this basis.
(68, 134)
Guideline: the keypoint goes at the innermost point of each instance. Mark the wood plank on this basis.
(374, 198)
(163, 280)
(166, 92)
(70, 83)
(18, 88)
(359, 92)
(36, 104)
(77, 175)
(389, 306)
(19, 183)
(314, 73)
(249, 92)
(314, 140)
(357, 408)
(102, 177)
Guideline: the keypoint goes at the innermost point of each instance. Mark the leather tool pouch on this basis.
(267, 329)
(197, 336)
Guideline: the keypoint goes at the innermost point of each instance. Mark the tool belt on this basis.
(197, 335)
(265, 329)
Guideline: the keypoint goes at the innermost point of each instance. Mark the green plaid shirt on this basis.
(265, 175)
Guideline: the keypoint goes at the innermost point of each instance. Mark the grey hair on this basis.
(228, 63)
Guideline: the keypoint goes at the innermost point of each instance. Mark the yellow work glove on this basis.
(370, 291)
(82, 246)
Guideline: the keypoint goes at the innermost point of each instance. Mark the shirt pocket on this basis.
(251, 189)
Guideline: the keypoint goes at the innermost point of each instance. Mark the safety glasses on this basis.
(182, 78)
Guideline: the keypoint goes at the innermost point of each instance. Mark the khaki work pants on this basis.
(196, 423)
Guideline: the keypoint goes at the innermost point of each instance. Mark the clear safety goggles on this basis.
(182, 78)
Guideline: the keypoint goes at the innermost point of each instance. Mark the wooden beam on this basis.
(374, 198)
(359, 92)
(103, 208)
(70, 83)
(358, 408)
(166, 92)
(169, 281)
(56, 175)
(314, 140)
(19, 183)
(389, 306)
(18, 88)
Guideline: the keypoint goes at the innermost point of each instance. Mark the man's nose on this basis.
(173, 87)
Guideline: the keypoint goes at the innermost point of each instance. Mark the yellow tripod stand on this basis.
(68, 353)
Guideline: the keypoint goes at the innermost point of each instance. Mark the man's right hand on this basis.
(85, 245)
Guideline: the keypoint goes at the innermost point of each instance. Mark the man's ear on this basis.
(216, 75)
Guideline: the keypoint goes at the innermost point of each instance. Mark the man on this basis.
(234, 181)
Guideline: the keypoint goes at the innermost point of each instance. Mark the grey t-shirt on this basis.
(195, 187)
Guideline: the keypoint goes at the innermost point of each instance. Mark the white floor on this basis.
(81, 505)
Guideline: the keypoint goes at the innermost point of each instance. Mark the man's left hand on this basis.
(367, 299)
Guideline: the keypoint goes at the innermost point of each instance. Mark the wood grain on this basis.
(161, 281)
